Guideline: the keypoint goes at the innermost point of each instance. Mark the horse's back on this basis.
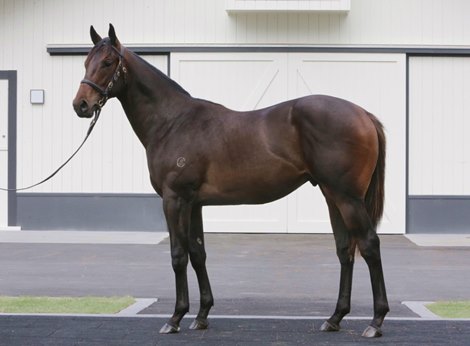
(255, 157)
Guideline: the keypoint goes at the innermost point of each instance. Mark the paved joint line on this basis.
(237, 317)
(83, 237)
(439, 240)
(139, 305)
(421, 310)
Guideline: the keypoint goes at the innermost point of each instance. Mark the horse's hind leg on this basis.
(359, 226)
(345, 252)
(369, 246)
(197, 255)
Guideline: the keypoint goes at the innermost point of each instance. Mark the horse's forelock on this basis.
(103, 43)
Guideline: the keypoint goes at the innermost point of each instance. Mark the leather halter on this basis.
(104, 92)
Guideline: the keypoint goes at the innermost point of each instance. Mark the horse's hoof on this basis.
(199, 324)
(372, 332)
(169, 329)
(329, 327)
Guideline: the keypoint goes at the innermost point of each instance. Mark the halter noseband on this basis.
(104, 92)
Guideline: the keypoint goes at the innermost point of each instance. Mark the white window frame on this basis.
(233, 6)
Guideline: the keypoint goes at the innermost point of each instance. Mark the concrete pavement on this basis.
(251, 275)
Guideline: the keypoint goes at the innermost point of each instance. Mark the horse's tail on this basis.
(375, 194)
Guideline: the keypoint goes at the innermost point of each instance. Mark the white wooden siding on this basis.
(439, 146)
(112, 161)
(251, 81)
(30, 25)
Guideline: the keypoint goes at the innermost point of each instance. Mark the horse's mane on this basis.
(163, 76)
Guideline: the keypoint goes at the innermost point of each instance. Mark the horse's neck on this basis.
(151, 102)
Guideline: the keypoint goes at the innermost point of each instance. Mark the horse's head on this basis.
(104, 75)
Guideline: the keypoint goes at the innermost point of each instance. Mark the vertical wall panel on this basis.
(439, 120)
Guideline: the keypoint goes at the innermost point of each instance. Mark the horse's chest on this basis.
(182, 174)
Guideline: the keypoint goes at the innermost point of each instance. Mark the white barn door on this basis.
(245, 81)
(377, 83)
(240, 81)
(3, 152)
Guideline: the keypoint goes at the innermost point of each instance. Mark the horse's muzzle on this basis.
(83, 109)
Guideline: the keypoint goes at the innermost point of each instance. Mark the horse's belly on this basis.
(250, 186)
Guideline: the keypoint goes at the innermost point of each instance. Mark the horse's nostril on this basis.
(83, 106)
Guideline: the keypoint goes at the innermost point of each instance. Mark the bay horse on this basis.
(200, 153)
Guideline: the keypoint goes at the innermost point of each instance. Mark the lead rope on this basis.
(90, 128)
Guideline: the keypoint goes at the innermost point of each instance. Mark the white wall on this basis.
(27, 27)
(113, 160)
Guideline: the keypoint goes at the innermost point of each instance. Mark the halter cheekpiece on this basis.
(104, 92)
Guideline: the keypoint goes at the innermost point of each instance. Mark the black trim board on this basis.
(438, 214)
(407, 140)
(11, 77)
(164, 50)
(84, 50)
(90, 211)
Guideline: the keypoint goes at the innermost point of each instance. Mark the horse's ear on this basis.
(94, 35)
(112, 36)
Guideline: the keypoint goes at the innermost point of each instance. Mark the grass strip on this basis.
(64, 305)
(451, 309)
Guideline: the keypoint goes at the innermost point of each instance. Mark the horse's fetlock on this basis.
(207, 302)
(382, 309)
(344, 310)
(181, 309)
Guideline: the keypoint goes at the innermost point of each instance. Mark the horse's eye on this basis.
(107, 63)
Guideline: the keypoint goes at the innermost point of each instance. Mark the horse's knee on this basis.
(179, 261)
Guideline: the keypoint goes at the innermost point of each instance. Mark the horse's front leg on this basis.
(197, 256)
(178, 213)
